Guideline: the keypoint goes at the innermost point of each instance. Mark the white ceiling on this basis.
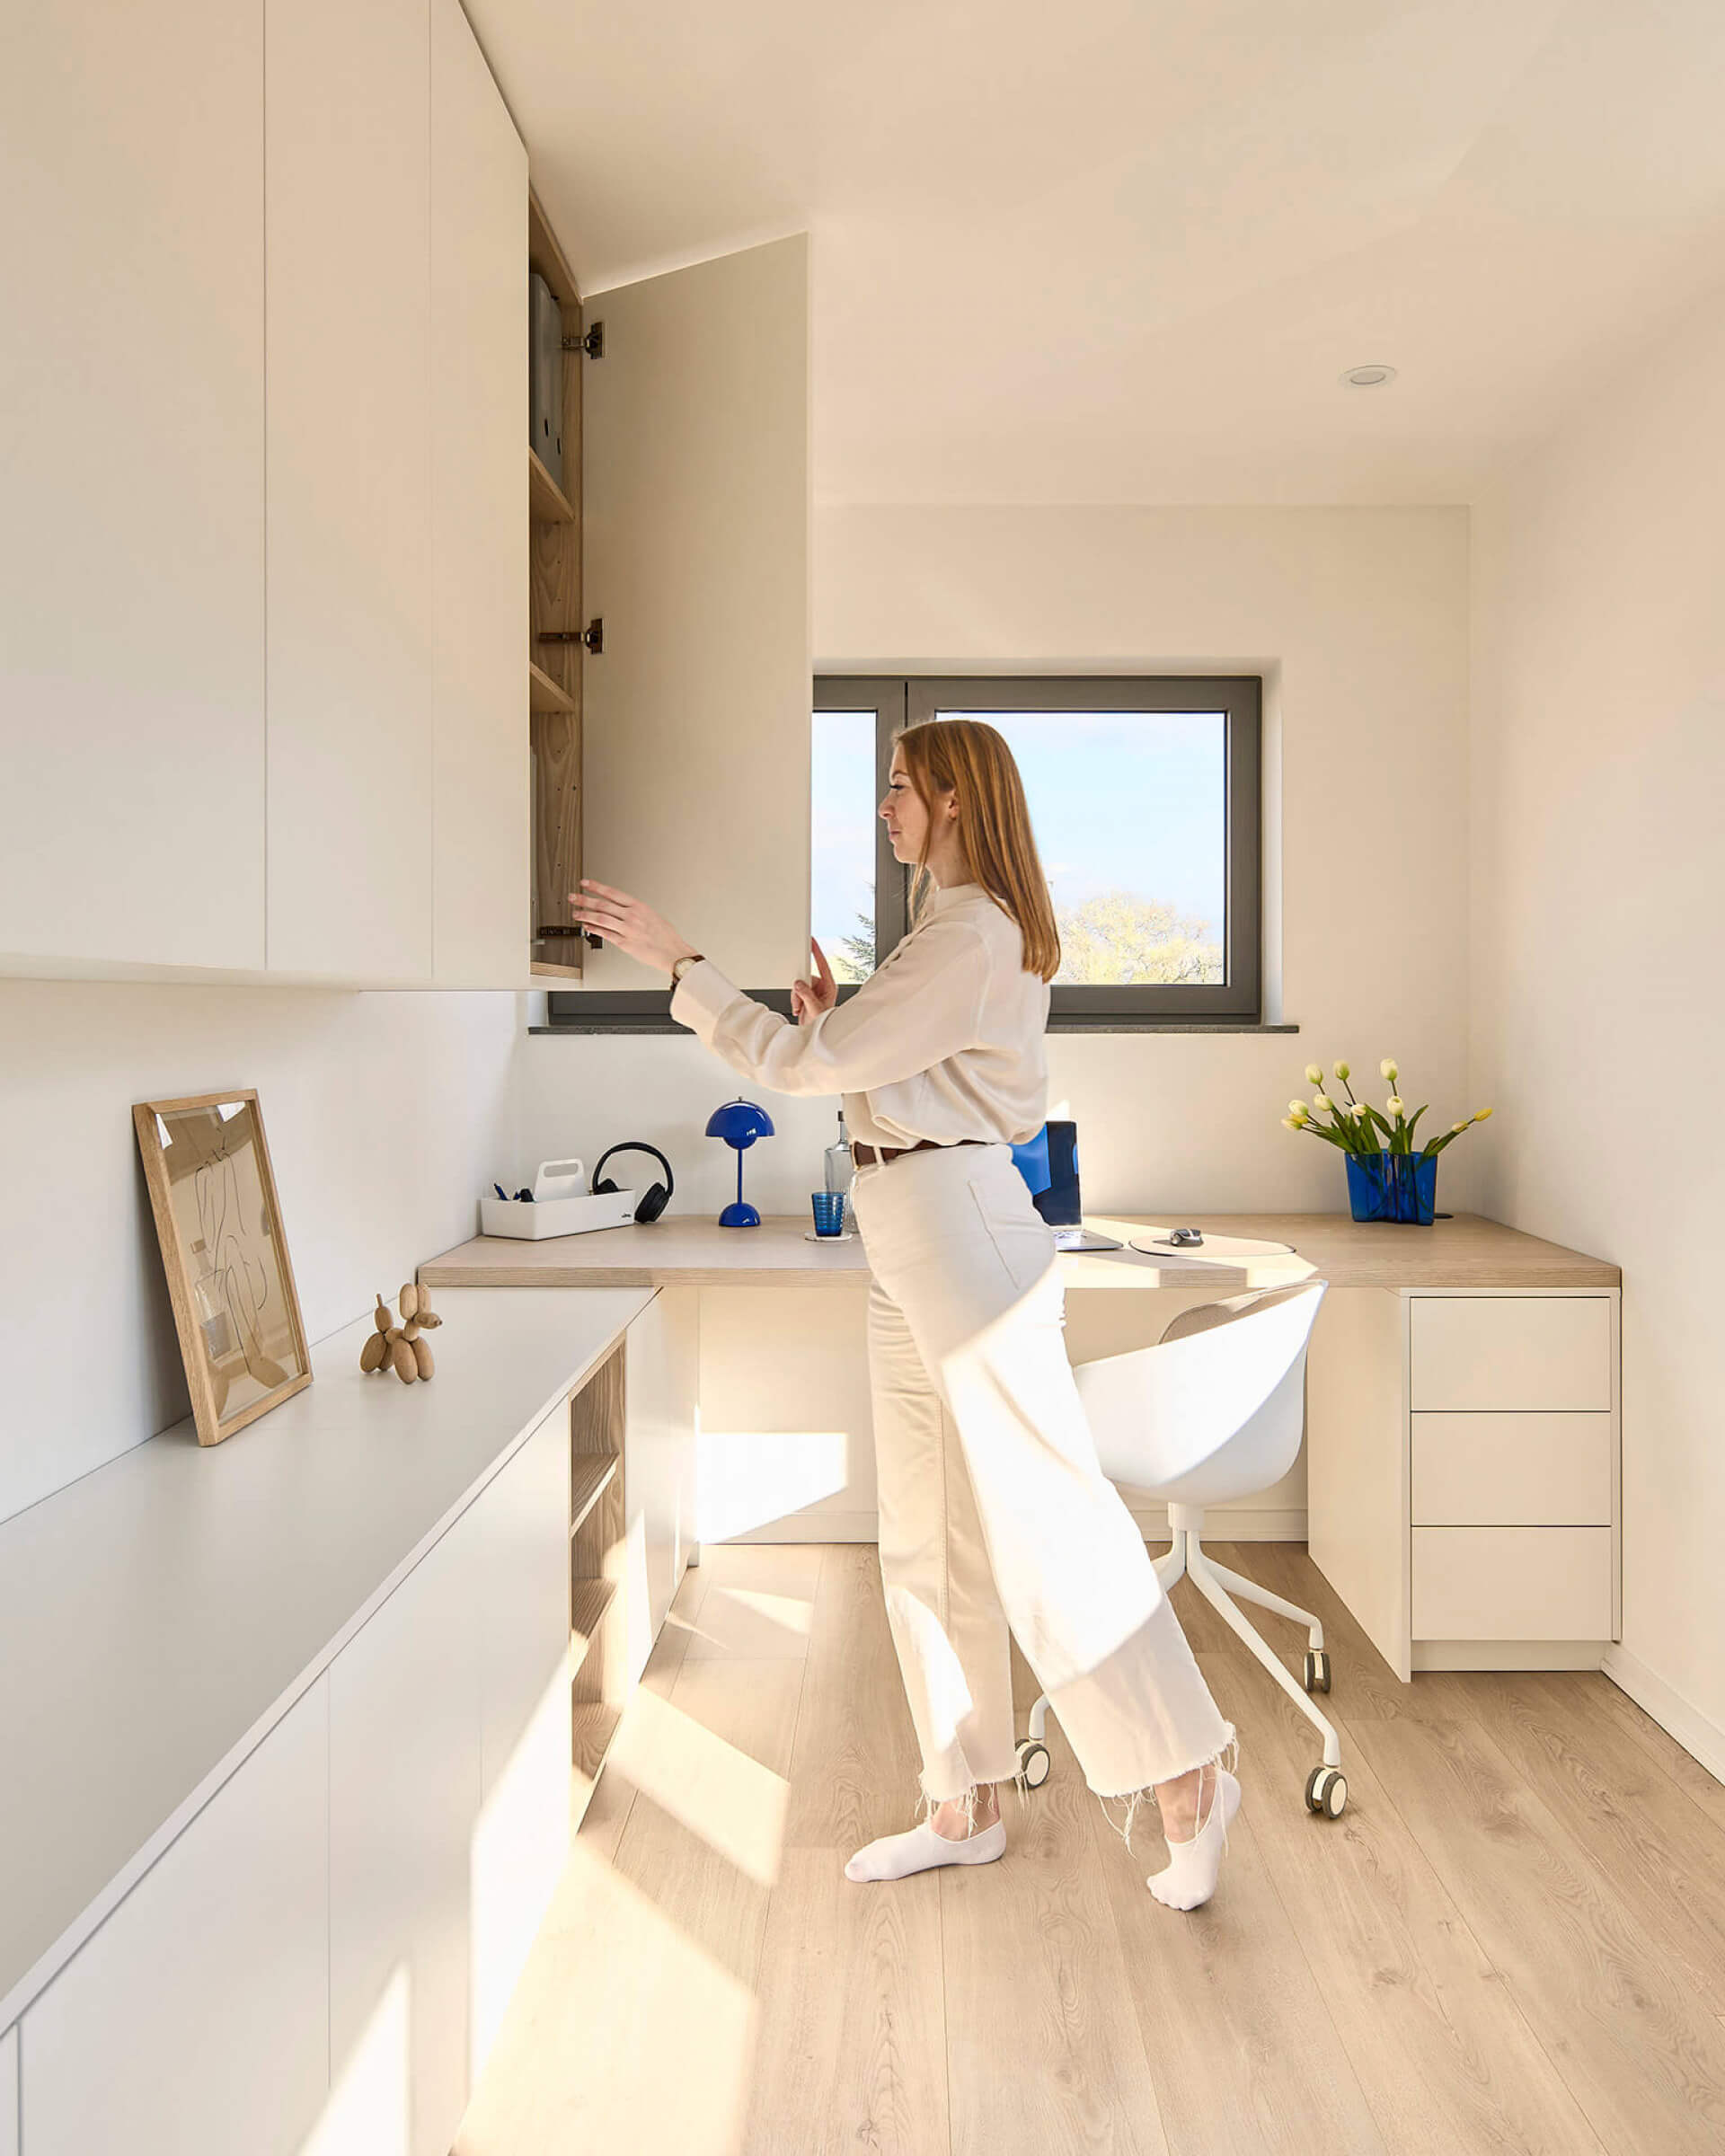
(1108, 252)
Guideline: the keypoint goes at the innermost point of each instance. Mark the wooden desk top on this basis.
(690, 1250)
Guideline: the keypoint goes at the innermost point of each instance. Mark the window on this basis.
(1144, 793)
(1145, 798)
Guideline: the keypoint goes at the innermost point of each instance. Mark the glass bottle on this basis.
(840, 1167)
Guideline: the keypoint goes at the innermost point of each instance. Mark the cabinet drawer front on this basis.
(1543, 1352)
(1512, 1471)
(1512, 1583)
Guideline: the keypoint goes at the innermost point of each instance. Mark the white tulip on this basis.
(1456, 1128)
(1292, 1122)
(1343, 1072)
(1314, 1073)
(1322, 1103)
(1387, 1069)
(1297, 1111)
(1393, 1105)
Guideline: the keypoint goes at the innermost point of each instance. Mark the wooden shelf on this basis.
(543, 694)
(595, 1726)
(547, 502)
(589, 1599)
(593, 1471)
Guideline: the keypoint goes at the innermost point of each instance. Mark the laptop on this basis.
(1048, 1162)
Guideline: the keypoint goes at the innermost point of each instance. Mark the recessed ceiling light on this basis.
(1367, 377)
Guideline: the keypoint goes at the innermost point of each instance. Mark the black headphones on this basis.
(655, 1196)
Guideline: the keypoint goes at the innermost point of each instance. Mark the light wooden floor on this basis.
(1514, 1939)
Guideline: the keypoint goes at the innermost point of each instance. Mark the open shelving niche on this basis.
(598, 1556)
(554, 668)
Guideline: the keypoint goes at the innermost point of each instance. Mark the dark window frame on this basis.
(1231, 1005)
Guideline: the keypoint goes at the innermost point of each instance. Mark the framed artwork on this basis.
(226, 1257)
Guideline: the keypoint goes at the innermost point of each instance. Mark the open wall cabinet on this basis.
(555, 629)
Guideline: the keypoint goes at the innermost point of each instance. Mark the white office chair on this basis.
(1214, 1411)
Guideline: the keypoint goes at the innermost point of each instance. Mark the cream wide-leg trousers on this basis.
(994, 1511)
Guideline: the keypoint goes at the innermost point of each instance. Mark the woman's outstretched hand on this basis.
(809, 999)
(636, 930)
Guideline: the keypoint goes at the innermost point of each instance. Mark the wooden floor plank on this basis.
(1624, 1811)
(759, 1600)
(851, 1995)
(654, 1957)
(852, 2053)
(854, 1768)
(1644, 2059)
(1691, 1776)
(1444, 2056)
(1244, 2054)
(1044, 2051)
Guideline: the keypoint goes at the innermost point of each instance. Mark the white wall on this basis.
(386, 1114)
(1359, 619)
(1599, 796)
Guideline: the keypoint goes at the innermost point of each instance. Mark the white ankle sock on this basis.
(897, 1856)
(1189, 1878)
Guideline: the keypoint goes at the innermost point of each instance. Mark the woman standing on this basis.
(995, 1515)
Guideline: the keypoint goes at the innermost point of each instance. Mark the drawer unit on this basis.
(1516, 1470)
(1512, 1583)
(1470, 1353)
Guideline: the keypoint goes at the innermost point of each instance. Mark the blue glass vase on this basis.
(1393, 1186)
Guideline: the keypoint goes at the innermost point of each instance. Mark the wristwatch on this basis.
(680, 967)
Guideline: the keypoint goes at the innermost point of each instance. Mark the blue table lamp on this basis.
(740, 1123)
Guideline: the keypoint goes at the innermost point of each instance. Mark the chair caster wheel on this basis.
(1033, 1761)
(1326, 1792)
(1317, 1670)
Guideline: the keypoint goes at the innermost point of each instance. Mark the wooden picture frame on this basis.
(230, 1280)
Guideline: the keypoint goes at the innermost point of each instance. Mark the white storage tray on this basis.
(527, 1221)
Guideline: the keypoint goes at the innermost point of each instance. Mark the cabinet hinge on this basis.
(591, 638)
(592, 343)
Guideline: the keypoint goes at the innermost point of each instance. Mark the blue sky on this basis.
(1134, 800)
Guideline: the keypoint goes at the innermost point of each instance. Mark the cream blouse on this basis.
(943, 1040)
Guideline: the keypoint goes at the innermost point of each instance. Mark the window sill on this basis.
(646, 1024)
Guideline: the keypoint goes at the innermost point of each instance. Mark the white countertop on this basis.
(160, 1614)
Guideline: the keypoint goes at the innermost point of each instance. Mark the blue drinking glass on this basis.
(829, 1210)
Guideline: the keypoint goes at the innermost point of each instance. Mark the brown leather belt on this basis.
(865, 1156)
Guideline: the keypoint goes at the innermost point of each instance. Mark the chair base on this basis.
(1218, 1585)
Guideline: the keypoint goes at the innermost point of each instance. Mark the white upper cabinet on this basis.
(695, 555)
(480, 751)
(348, 643)
(132, 475)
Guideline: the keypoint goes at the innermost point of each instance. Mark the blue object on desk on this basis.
(1394, 1186)
(740, 1123)
(1048, 1162)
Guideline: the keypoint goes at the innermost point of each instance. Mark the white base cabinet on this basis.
(404, 1795)
(319, 1964)
(520, 1836)
(196, 2021)
(1462, 1470)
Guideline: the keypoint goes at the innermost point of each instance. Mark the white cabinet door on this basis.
(479, 751)
(520, 1527)
(348, 675)
(403, 1797)
(660, 1398)
(131, 440)
(694, 484)
(9, 2092)
(196, 2021)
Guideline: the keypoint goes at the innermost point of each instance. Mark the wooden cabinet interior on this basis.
(597, 1558)
(554, 669)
